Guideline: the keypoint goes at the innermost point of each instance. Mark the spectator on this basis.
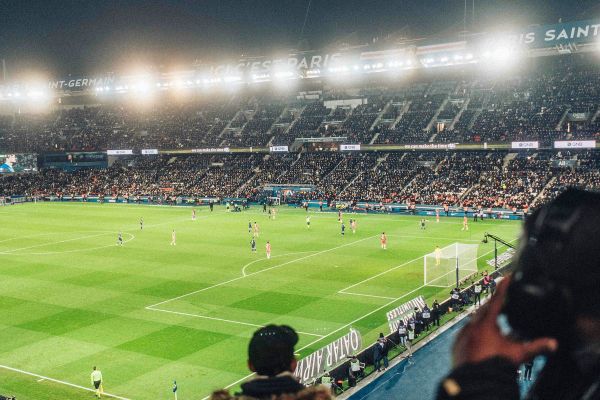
(271, 357)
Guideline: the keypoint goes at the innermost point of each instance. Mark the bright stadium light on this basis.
(36, 94)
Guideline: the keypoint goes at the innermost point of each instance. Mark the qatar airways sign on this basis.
(313, 365)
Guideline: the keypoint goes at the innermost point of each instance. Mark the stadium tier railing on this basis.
(395, 208)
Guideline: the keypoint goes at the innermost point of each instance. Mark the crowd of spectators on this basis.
(473, 179)
(558, 99)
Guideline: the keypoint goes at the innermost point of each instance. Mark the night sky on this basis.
(85, 37)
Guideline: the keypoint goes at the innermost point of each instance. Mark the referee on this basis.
(96, 379)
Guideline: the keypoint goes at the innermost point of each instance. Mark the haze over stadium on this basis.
(176, 175)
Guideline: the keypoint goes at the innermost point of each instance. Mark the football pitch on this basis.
(148, 312)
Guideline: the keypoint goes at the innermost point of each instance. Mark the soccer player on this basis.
(465, 226)
(120, 239)
(173, 238)
(343, 228)
(268, 249)
(423, 221)
(253, 245)
(437, 215)
(141, 223)
(353, 225)
(308, 222)
(438, 255)
(270, 213)
(339, 215)
(256, 229)
(96, 378)
(249, 227)
(274, 213)
(383, 241)
(193, 214)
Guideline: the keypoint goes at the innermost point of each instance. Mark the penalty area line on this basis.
(367, 295)
(334, 331)
(45, 378)
(222, 320)
(280, 255)
(344, 290)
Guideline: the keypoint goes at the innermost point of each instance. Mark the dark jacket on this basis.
(313, 393)
(276, 385)
(562, 378)
(377, 352)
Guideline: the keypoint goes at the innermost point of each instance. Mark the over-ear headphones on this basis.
(539, 302)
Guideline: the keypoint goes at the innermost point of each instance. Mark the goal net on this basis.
(439, 267)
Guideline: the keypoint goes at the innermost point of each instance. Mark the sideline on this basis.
(45, 378)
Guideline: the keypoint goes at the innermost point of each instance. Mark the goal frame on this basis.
(457, 267)
(276, 201)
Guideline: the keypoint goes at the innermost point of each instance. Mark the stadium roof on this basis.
(86, 36)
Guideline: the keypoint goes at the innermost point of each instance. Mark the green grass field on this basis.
(147, 313)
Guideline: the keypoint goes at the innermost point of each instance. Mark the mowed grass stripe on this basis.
(63, 313)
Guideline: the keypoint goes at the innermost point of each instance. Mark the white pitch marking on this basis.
(223, 320)
(343, 291)
(59, 381)
(379, 274)
(258, 272)
(345, 326)
(332, 332)
(263, 259)
(367, 295)
(131, 237)
(51, 243)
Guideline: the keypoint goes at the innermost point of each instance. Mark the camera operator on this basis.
(552, 304)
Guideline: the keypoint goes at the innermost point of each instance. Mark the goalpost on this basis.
(457, 261)
(276, 201)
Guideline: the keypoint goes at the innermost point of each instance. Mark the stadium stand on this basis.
(558, 100)
(551, 100)
(473, 179)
